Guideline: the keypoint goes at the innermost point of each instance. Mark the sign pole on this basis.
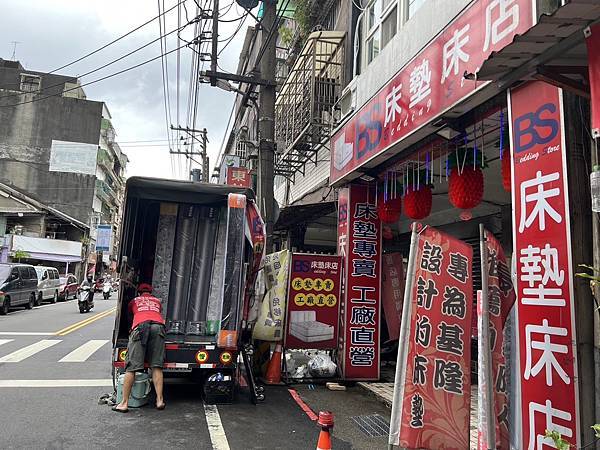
(490, 425)
(404, 336)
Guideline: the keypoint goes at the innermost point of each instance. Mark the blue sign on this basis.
(104, 238)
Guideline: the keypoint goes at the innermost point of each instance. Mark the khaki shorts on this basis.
(146, 344)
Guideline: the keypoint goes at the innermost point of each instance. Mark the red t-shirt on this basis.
(146, 308)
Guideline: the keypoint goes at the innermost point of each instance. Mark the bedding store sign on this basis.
(313, 301)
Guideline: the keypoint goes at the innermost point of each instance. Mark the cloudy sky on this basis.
(52, 33)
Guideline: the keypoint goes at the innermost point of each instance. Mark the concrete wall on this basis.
(26, 134)
(410, 38)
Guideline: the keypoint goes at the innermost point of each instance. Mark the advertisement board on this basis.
(542, 248)
(74, 157)
(430, 83)
(432, 391)
(493, 370)
(312, 318)
(359, 242)
(239, 176)
(104, 238)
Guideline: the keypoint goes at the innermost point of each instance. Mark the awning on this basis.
(55, 258)
(553, 50)
(309, 208)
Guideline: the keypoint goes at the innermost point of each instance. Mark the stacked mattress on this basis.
(304, 326)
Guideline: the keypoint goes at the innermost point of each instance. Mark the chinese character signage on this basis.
(430, 84)
(500, 300)
(545, 313)
(592, 39)
(239, 176)
(313, 301)
(359, 243)
(392, 292)
(431, 407)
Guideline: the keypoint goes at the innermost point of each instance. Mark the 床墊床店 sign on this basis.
(542, 248)
(430, 84)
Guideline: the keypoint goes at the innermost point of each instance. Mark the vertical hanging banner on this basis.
(494, 372)
(392, 292)
(592, 40)
(542, 248)
(313, 317)
(359, 242)
(432, 390)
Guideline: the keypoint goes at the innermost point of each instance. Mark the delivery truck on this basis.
(200, 246)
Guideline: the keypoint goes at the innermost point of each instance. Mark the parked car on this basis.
(18, 286)
(48, 284)
(68, 287)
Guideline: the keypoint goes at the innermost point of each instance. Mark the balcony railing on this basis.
(304, 105)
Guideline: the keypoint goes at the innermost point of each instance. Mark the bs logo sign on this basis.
(532, 129)
(301, 265)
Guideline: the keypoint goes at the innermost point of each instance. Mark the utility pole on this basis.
(266, 147)
(189, 154)
(215, 40)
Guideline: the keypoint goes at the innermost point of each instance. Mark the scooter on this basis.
(85, 300)
(106, 290)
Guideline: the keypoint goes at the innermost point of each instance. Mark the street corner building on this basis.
(58, 149)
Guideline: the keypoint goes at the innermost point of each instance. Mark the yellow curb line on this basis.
(83, 323)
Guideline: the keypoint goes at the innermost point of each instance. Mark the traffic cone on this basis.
(326, 424)
(273, 375)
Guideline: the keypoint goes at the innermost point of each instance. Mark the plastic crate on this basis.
(219, 390)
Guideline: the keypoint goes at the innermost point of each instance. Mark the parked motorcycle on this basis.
(106, 290)
(85, 299)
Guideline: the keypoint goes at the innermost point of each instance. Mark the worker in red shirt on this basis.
(146, 343)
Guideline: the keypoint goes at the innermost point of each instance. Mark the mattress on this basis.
(311, 331)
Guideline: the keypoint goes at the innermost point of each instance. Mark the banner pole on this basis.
(402, 340)
(490, 425)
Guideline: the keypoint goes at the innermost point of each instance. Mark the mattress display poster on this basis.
(432, 401)
(359, 241)
(313, 313)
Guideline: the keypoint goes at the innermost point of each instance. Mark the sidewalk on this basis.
(384, 392)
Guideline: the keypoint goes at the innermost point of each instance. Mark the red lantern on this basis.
(506, 171)
(465, 190)
(417, 204)
(389, 212)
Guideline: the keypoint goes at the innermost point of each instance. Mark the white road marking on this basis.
(5, 341)
(25, 333)
(215, 428)
(101, 382)
(26, 352)
(83, 352)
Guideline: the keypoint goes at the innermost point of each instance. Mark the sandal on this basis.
(114, 408)
(161, 407)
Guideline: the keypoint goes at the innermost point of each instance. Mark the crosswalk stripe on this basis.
(5, 341)
(83, 352)
(26, 352)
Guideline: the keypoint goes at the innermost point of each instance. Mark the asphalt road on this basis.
(53, 370)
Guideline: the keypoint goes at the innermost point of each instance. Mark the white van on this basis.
(48, 284)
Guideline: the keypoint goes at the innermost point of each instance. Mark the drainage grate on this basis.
(372, 425)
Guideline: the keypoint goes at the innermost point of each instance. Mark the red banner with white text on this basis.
(435, 391)
(359, 242)
(542, 248)
(430, 84)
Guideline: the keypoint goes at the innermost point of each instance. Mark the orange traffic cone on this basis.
(326, 424)
(273, 375)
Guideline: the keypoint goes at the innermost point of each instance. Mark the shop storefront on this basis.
(489, 125)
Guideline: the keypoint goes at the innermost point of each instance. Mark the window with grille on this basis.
(30, 83)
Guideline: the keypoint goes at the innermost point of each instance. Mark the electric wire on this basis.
(115, 40)
(165, 93)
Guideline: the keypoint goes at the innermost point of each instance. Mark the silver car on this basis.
(48, 284)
